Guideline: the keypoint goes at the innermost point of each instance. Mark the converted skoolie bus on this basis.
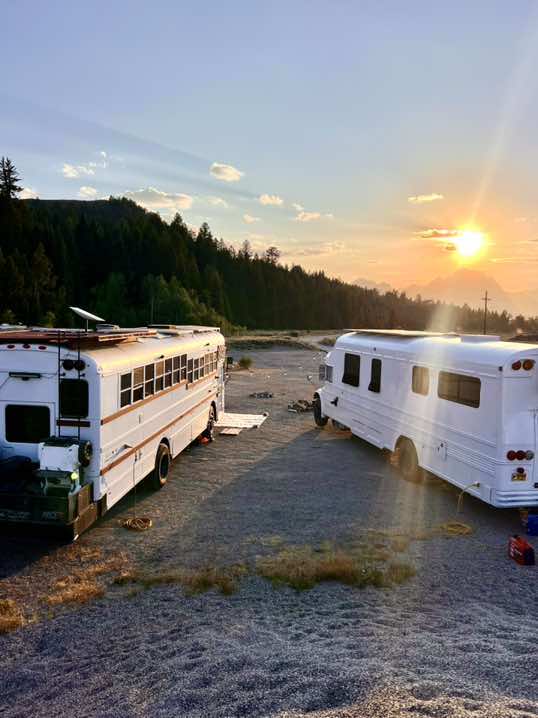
(84, 416)
(463, 407)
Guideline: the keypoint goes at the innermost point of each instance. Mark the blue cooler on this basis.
(532, 525)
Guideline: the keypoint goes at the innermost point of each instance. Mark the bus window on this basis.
(190, 371)
(159, 375)
(168, 373)
(375, 376)
(421, 380)
(149, 386)
(352, 369)
(74, 398)
(126, 381)
(138, 383)
(27, 424)
(196, 370)
(177, 370)
(459, 388)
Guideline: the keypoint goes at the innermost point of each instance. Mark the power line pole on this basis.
(486, 299)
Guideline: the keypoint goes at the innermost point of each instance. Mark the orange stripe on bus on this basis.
(134, 449)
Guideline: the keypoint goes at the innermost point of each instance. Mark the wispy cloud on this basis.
(153, 199)
(225, 173)
(103, 163)
(84, 170)
(28, 193)
(218, 202)
(87, 192)
(307, 216)
(423, 198)
(325, 248)
(297, 207)
(438, 233)
(271, 199)
(304, 216)
(514, 260)
(74, 171)
(249, 219)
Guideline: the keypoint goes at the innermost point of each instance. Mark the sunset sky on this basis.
(362, 138)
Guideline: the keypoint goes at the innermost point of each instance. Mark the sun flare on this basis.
(469, 243)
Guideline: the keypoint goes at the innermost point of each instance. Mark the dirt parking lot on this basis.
(457, 638)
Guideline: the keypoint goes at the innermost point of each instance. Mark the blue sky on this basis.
(334, 113)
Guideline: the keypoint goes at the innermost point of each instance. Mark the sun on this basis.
(469, 244)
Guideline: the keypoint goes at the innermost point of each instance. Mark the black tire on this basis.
(163, 460)
(209, 432)
(318, 416)
(408, 460)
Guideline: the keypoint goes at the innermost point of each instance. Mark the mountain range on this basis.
(467, 286)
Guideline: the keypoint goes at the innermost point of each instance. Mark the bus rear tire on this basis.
(209, 431)
(408, 460)
(162, 466)
(318, 416)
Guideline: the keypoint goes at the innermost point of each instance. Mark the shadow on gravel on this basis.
(321, 486)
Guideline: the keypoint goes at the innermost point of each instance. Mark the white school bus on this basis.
(464, 407)
(84, 416)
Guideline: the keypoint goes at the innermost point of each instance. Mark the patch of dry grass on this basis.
(223, 579)
(11, 615)
(82, 586)
(303, 567)
(74, 589)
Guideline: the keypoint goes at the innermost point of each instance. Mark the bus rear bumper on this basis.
(513, 499)
(45, 510)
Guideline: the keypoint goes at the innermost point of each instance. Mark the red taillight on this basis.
(521, 455)
(11, 346)
(42, 348)
(511, 455)
(516, 366)
(528, 364)
(26, 346)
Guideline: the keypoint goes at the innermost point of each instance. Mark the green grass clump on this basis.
(245, 363)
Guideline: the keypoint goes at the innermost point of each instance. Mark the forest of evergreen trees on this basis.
(131, 267)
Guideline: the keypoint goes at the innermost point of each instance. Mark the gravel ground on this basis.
(458, 639)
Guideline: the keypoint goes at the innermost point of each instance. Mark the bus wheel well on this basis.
(406, 458)
(164, 441)
(401, 441)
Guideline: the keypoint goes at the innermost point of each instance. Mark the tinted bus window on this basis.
(375, 376)
(74, 401)
(27, 424)
(459, 388)
(352, 369)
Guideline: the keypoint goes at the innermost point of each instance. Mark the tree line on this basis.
(131, 267)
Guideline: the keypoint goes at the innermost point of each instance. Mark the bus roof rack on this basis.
(74, 337)
(178, 329)
(401, 333)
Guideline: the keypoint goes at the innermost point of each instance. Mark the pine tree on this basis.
(9, 177)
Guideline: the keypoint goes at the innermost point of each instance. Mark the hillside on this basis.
(131, 267)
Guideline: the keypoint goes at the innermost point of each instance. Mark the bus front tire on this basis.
(408, 460)
(162, 467)
(318, 416)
